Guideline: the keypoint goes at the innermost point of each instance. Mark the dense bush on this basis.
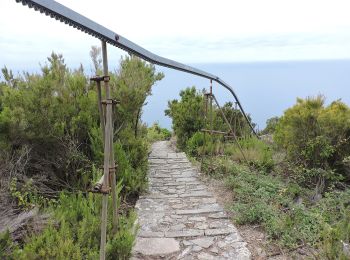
(54, 115)
(194, 144)
(157, 133)
(316, 136)
(204, 144)
(271, 125)
(51, 141)
(187, 115)
(336, 239)
(256, 152)
(131, 85)
(74, 232)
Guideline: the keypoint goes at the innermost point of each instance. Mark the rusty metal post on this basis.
(236, 118)
(212, 118)
(205, 124)
(100, 109)
(233, 133)
(98, 186)
(108, 158)
(211, 105)
(111, 153)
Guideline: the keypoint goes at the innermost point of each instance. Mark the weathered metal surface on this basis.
(62, 13)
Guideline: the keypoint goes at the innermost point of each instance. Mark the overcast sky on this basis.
(187, 31)
(202, 32)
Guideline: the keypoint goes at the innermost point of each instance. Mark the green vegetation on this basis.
(271, 125)
(282, 208)
(189, 117)
(295, 188)
(157, 133)
(51, 151)
(75, 232)
(317, 140)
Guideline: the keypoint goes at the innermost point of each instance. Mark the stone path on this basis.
(179, 218)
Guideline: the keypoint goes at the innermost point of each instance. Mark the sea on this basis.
(265, 89)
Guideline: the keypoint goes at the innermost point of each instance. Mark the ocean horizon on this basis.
(265, 89)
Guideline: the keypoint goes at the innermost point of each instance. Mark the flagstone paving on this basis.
(179, 218)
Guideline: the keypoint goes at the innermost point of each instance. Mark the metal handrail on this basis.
(68, 16)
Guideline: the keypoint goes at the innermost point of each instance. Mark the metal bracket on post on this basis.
(98, 78)
(99, 186)
(110, 101)
(112, 170)
(207, 95)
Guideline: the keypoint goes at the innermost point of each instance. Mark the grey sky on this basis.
(187, 31)
(200, 32)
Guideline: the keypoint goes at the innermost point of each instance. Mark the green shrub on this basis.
(74, 232)
(120, 245)
(187, 115)
(157, 133)
(132, 165)
(271, 125)
(266, 200)
(195, 143)
(285, 210)
(7, 247)
(50, 122)
(256, 152)
(336, 239)
(316, 136)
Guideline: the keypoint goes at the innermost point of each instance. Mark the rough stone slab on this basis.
(185, 233)
(218, 215)
(199, 219)
(206, 256)
(160, 196)
(156, 246)
(196, 194)
(150, 234)
(218, 231)
(196, 211)
(204, 242)
(186, 179)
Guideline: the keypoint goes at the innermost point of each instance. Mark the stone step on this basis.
(179, 218)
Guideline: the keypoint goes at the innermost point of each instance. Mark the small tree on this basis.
(132, 85)
(316, 137)
(271, 125)
(187, 114)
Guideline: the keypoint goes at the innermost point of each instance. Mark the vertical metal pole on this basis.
(111, 153)
(100, 110)
(105, 185)
(236, 116)
(205, 126)
(211, 116)
(231, 130)
(107, 158)
(211, 105)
